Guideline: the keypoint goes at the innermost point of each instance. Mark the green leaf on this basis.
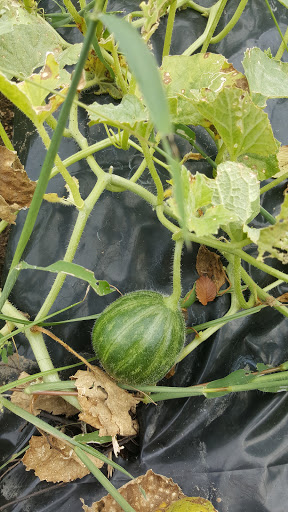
(237, 378)
(27, 32)
(273, 240)
(129, 112)
(265, 166)
(185, 76)
(201, 216)
(72, 269)
(93, 437)
(268, 78)
(144, 67)
(243, 127)
(284, 2)
(236, 187)
(30, 97)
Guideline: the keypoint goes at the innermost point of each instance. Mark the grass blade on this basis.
(144, 67)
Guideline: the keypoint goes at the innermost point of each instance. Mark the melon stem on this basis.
(173, 300)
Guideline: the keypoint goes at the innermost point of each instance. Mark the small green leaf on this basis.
(144, 67)
(236, 187)
(243, 127)
(265, 166)
(93, 437)
(201, 216)
(72, 269)
(268, 78)
(273, 240)
(237, 378)
(284, 2)
(4, 355)
(129, 112)
(30, 97)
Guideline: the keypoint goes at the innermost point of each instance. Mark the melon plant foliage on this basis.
(141, 336)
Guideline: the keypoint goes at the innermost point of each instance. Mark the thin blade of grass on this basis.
(144, 67)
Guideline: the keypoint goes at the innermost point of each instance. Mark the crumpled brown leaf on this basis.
(54, 461)
(205, 290)
(209, 264)
(104, 405)
(159, 490)
(36, 403)
(16, 188)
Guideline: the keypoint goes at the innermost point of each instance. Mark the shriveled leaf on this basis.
(195, 504)
(273, 240)
(206, 290)
(267, 77)
(104, 405)
(15, 186)
(283, 298)
(27, 31)
(209, 264)
(54, 461)
(158, 490)
(129, 112)
(185, 76)
(96, 72)
(35, 404)
(72, 269)
(236, 187)
(243, 126)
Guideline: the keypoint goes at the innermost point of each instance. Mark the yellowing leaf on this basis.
(195, 504)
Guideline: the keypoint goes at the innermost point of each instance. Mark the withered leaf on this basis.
(16, 188)
(159, 490)
(54, 461)
(36, 403)
(104, 405)
(209, 264)
(283, 298)
(206, 290)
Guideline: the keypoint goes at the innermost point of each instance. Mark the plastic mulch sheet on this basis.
(231, 450)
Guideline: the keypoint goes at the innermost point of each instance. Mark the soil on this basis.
(6, 118)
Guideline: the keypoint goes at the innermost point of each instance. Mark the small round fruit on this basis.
(138, 337)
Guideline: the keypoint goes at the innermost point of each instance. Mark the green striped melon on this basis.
(138, 337)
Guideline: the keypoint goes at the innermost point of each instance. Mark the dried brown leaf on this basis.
(209, 264)
(36, 403)
(283, 298)
(54, 461)
(206, 290)
(159, 490)
(104, 405)
(16, 188)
